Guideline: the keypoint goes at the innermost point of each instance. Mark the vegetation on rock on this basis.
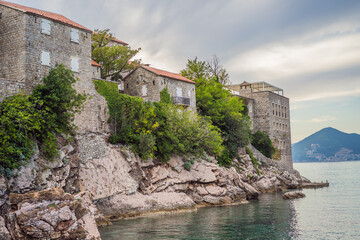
(158, 129)
(218, 105)
(262, 142)
(253, 160)
(26, 120)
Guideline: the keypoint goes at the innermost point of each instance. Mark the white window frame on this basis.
(250, 108)
(144, 90)
(45, 26)
(45, 58)
(74, 35)
(179, 92)
(75, 64)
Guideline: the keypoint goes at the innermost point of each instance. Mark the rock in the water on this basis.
(293, 194)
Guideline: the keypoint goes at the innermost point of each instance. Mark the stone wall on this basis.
(12, 51)
(21, 43)
(8, 88)
(154, 84)
(272, 115)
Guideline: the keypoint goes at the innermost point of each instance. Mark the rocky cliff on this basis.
(92, 182)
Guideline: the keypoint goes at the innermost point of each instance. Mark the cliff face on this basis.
(122, 185)
(94, 181)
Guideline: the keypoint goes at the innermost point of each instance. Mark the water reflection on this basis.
(269, 218)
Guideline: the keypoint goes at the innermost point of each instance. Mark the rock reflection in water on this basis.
(269, 218)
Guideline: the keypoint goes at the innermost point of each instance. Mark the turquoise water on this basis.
(328, 213)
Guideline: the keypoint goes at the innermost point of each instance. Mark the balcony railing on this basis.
(181, 101)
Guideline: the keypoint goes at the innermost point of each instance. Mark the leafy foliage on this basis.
(26, 120)
(158, 129)
(254, 161)
(216, 103)
(113, 58)
(261, 141)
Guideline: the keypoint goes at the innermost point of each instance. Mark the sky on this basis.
(311, 49)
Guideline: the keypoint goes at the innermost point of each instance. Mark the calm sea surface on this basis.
(328, 213)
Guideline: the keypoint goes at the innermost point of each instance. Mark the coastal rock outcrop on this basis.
(293, 194)
(50, 214)
(114, 183)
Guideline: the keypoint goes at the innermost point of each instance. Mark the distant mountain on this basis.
(327, 145)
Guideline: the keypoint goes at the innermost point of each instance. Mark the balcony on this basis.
(181, 101)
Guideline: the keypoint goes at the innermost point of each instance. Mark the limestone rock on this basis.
(293, 194)
(251, 193)
(104, 172)
(4, 232)
(51, 214)
(120, 206)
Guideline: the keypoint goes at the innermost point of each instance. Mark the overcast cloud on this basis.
(309, 48)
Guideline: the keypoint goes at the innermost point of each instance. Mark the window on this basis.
(189, 93)
(45, 26)
(179, 92)
(74, 34)
(144, 90)
(75, 64)
(154, 82)
(45, 58)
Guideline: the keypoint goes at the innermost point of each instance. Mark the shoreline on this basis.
(127, 216)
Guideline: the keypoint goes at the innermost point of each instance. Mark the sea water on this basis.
(326, 213)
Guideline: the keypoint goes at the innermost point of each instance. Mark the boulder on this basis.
(120, 206)
(4, 232)
(293, 194)
(51, 214)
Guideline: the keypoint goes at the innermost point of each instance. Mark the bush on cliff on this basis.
(157, 129)
(262, 142)
(29, 119)
(217, 104)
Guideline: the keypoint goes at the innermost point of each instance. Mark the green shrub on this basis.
(158, 129)
(36, 119)
(262, 142)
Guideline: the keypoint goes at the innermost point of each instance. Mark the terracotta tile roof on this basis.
(118, 41)
(168, 74)
(93, 63)
(49, 15)
(114, 40)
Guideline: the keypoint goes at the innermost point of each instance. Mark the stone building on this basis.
(147, 82)
(269, 111)
(33, 41)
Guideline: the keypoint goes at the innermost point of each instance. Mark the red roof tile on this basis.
(114, 39)
(93, 63)
(168, 74)
(49, 15)
(118, 41)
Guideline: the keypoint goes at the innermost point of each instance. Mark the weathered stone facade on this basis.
(21, 44)
(270, 112)
(148, 85)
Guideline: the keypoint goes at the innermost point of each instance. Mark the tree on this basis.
(218, 70)
(27, 120)
(262, 142)
(216, 103)
(113, 58)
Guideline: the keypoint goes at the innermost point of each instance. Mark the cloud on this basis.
(284, 61)
(323, 119)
